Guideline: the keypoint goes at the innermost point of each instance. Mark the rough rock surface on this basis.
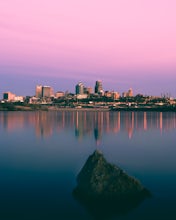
(100, 179)
(106, 190)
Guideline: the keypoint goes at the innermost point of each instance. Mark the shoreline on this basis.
(120, 109)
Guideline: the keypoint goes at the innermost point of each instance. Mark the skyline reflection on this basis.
(84, 123)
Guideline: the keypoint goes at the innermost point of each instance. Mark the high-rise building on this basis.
(43, 91)
(38, 91)
(79, 89)
(98, 87)
(46, 91)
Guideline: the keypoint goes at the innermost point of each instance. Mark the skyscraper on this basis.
(79, 89)
(98, 87)
(43, 91)
(38, 91)
(46, 91)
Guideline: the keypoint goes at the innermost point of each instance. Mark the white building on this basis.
(9, 96)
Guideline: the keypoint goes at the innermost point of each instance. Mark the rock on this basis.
(101, 184)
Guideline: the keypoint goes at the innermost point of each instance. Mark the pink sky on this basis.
(85, 38)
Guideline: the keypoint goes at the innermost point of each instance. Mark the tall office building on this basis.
(46, 91)
(79, 89)
(98, 87)
(38, 91)
(43, 91)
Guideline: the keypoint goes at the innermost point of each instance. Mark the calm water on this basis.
(41, 154)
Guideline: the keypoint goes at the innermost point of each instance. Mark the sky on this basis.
(124, 43)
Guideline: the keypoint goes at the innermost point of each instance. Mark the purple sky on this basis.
(124, 43)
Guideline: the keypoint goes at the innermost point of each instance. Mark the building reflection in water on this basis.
(43, 127)
(84, 123)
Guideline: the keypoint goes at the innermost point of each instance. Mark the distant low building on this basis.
(33, 100)
(59, 94)
(128, 94)
(19, 99)
(9, 96)
(81, 96)
(115, 95)
(108, 94)
(124, 94)
(88, 90)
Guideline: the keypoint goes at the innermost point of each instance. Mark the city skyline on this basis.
(124, 43)
(80, 89)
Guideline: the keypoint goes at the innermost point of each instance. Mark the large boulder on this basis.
(101, 184)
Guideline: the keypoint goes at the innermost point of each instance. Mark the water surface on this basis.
(41, 154)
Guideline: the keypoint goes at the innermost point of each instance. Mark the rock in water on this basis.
(100, 183)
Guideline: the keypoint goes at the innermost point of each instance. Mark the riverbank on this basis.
(12, 107)
(27, 107)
